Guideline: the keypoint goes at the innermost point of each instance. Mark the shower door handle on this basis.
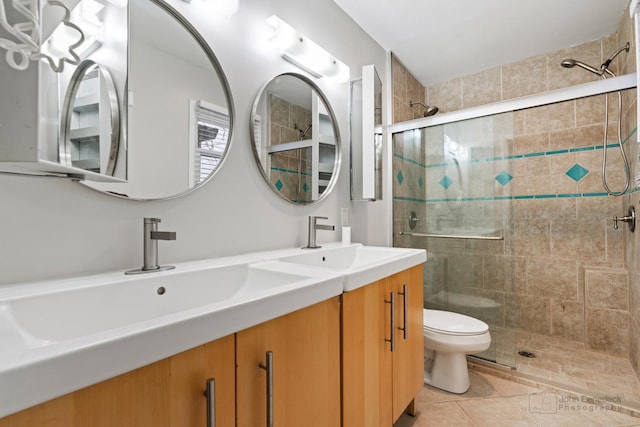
(405, 305)
(392, 340)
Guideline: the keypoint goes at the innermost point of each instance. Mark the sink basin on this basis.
(359, 265)
(60, 336)
(77, 312)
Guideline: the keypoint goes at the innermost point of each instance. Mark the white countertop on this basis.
(62, 335)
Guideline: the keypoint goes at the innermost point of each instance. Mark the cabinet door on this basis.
(306, 368)
(168, 393)
(366, 356)
(408, 357)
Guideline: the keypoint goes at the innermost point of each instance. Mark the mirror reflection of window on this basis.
(169, 152)
(210, 135)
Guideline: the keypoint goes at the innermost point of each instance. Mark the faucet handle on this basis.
(163, 235)
(152, 220)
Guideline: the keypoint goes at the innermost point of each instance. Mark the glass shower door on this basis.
(451, 198)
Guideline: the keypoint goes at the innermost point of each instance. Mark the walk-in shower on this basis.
(603, 72)
(510, 208)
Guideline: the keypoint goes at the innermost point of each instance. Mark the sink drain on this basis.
(525, 353)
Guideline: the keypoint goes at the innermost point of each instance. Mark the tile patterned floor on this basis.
(569, 364)
(495, 401)
(548, 390)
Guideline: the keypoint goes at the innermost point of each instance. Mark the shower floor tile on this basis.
(499, 400)
(569, 364)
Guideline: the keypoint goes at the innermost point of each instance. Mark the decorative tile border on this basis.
(576, 172)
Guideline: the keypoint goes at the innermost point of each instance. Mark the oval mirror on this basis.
(90, 125)
(179, 108)
(295, 138)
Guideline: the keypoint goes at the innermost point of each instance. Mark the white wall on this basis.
(55, 228)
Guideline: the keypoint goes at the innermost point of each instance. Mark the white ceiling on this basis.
(441, 39)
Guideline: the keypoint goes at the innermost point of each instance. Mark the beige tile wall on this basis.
(530, 76)
(406, 89)
(290, 170)
(561, 269)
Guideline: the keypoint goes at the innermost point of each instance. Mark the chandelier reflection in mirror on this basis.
(79, 33)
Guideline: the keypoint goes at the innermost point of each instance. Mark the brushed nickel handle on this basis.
(405, 304)
(630, 219)
(269, 368)
(392, 340)
(210, 393)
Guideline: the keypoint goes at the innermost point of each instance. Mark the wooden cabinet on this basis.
(305, 348)
(306, 382)
(408, 358)
(166, 393)
(378, 384)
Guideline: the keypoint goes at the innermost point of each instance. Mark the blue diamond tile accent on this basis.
(400, 177)
(420, 182)
(279, 185)
(446, 182)
(503, 178)
(305, 187)
(576, 172)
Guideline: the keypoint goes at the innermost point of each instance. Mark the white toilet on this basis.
(449, 337)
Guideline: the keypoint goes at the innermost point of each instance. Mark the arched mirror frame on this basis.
(67, 113)
(336, 132)
(199, 39)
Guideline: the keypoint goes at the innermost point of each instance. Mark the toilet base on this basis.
(449, 372)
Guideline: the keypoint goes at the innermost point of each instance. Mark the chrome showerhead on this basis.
(570, 63)
(430, 110)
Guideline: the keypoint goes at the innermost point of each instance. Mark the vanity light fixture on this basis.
(305, 53)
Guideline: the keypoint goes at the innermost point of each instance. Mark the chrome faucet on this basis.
(151, 235)
(313, 227)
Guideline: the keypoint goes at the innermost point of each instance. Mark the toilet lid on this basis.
(446, 322)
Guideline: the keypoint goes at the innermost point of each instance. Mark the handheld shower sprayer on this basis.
(570, 63)
(604, 72)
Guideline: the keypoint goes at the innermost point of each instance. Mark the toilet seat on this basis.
(448, 323)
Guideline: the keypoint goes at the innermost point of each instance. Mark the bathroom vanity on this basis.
(306, 379)
(382, 349)
(285, 368)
